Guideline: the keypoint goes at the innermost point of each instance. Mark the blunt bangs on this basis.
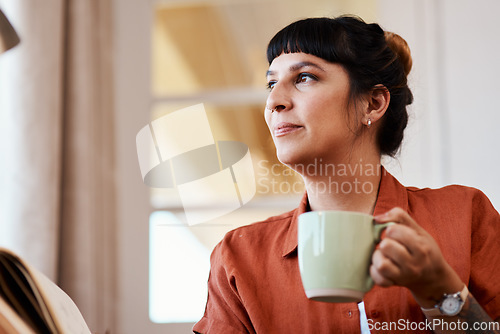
(321, 37)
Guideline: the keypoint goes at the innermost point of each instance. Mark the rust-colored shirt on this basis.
(255, 285)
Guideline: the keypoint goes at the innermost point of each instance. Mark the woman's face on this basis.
(310, 99)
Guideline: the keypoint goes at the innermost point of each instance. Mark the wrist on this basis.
(428, 295)
(449, 305)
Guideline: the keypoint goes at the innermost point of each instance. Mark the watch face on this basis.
(451, 305)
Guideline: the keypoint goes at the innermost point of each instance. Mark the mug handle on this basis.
(378, 229)
(377, 232)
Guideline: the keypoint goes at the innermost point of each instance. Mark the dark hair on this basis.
(369, 55)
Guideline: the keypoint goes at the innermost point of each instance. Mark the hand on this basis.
(408, 256)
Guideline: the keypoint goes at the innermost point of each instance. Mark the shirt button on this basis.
(375, 314)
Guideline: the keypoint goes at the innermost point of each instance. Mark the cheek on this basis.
(321, 103)
(333, 107)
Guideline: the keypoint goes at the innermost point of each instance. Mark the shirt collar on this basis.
(391, 194)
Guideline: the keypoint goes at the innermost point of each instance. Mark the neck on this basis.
(351, 186)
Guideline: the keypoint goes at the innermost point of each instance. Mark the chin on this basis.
(292, 159)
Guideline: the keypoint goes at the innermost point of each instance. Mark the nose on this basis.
(279, 98)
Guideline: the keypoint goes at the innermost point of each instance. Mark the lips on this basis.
(285, 128)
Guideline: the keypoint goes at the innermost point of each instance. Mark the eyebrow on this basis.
(298, 66)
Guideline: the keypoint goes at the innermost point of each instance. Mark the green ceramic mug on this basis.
(335, 250)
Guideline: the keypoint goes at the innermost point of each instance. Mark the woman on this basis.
(338, 97)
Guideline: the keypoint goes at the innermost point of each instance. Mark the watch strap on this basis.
(435, 311)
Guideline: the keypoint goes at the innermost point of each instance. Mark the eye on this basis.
(305, 78)
(270, 85)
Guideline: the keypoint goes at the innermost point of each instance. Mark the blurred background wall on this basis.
(157, 56)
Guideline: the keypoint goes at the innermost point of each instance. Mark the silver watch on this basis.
(449, 305)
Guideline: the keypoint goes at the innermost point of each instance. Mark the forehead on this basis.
(286, 58)
(292, 62)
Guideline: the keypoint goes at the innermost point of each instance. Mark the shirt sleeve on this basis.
(485, 258)
(224, 312)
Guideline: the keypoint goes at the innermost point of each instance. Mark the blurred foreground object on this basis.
(8, 36)
(31, 303)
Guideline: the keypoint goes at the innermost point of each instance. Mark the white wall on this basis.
(132, 73)
(453, 133)
(472, 72)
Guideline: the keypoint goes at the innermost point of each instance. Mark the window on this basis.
(198, 58)
(214, 53)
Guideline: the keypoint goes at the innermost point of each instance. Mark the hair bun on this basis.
(399, 46)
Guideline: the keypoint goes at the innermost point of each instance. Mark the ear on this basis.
(378, 101)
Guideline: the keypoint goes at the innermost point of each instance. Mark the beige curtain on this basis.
(86, 259)
(57, 203)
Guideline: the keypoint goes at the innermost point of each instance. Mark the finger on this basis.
(406, 236)
(398, 253)
(383, 270)
(379, 279)
(398, 215)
